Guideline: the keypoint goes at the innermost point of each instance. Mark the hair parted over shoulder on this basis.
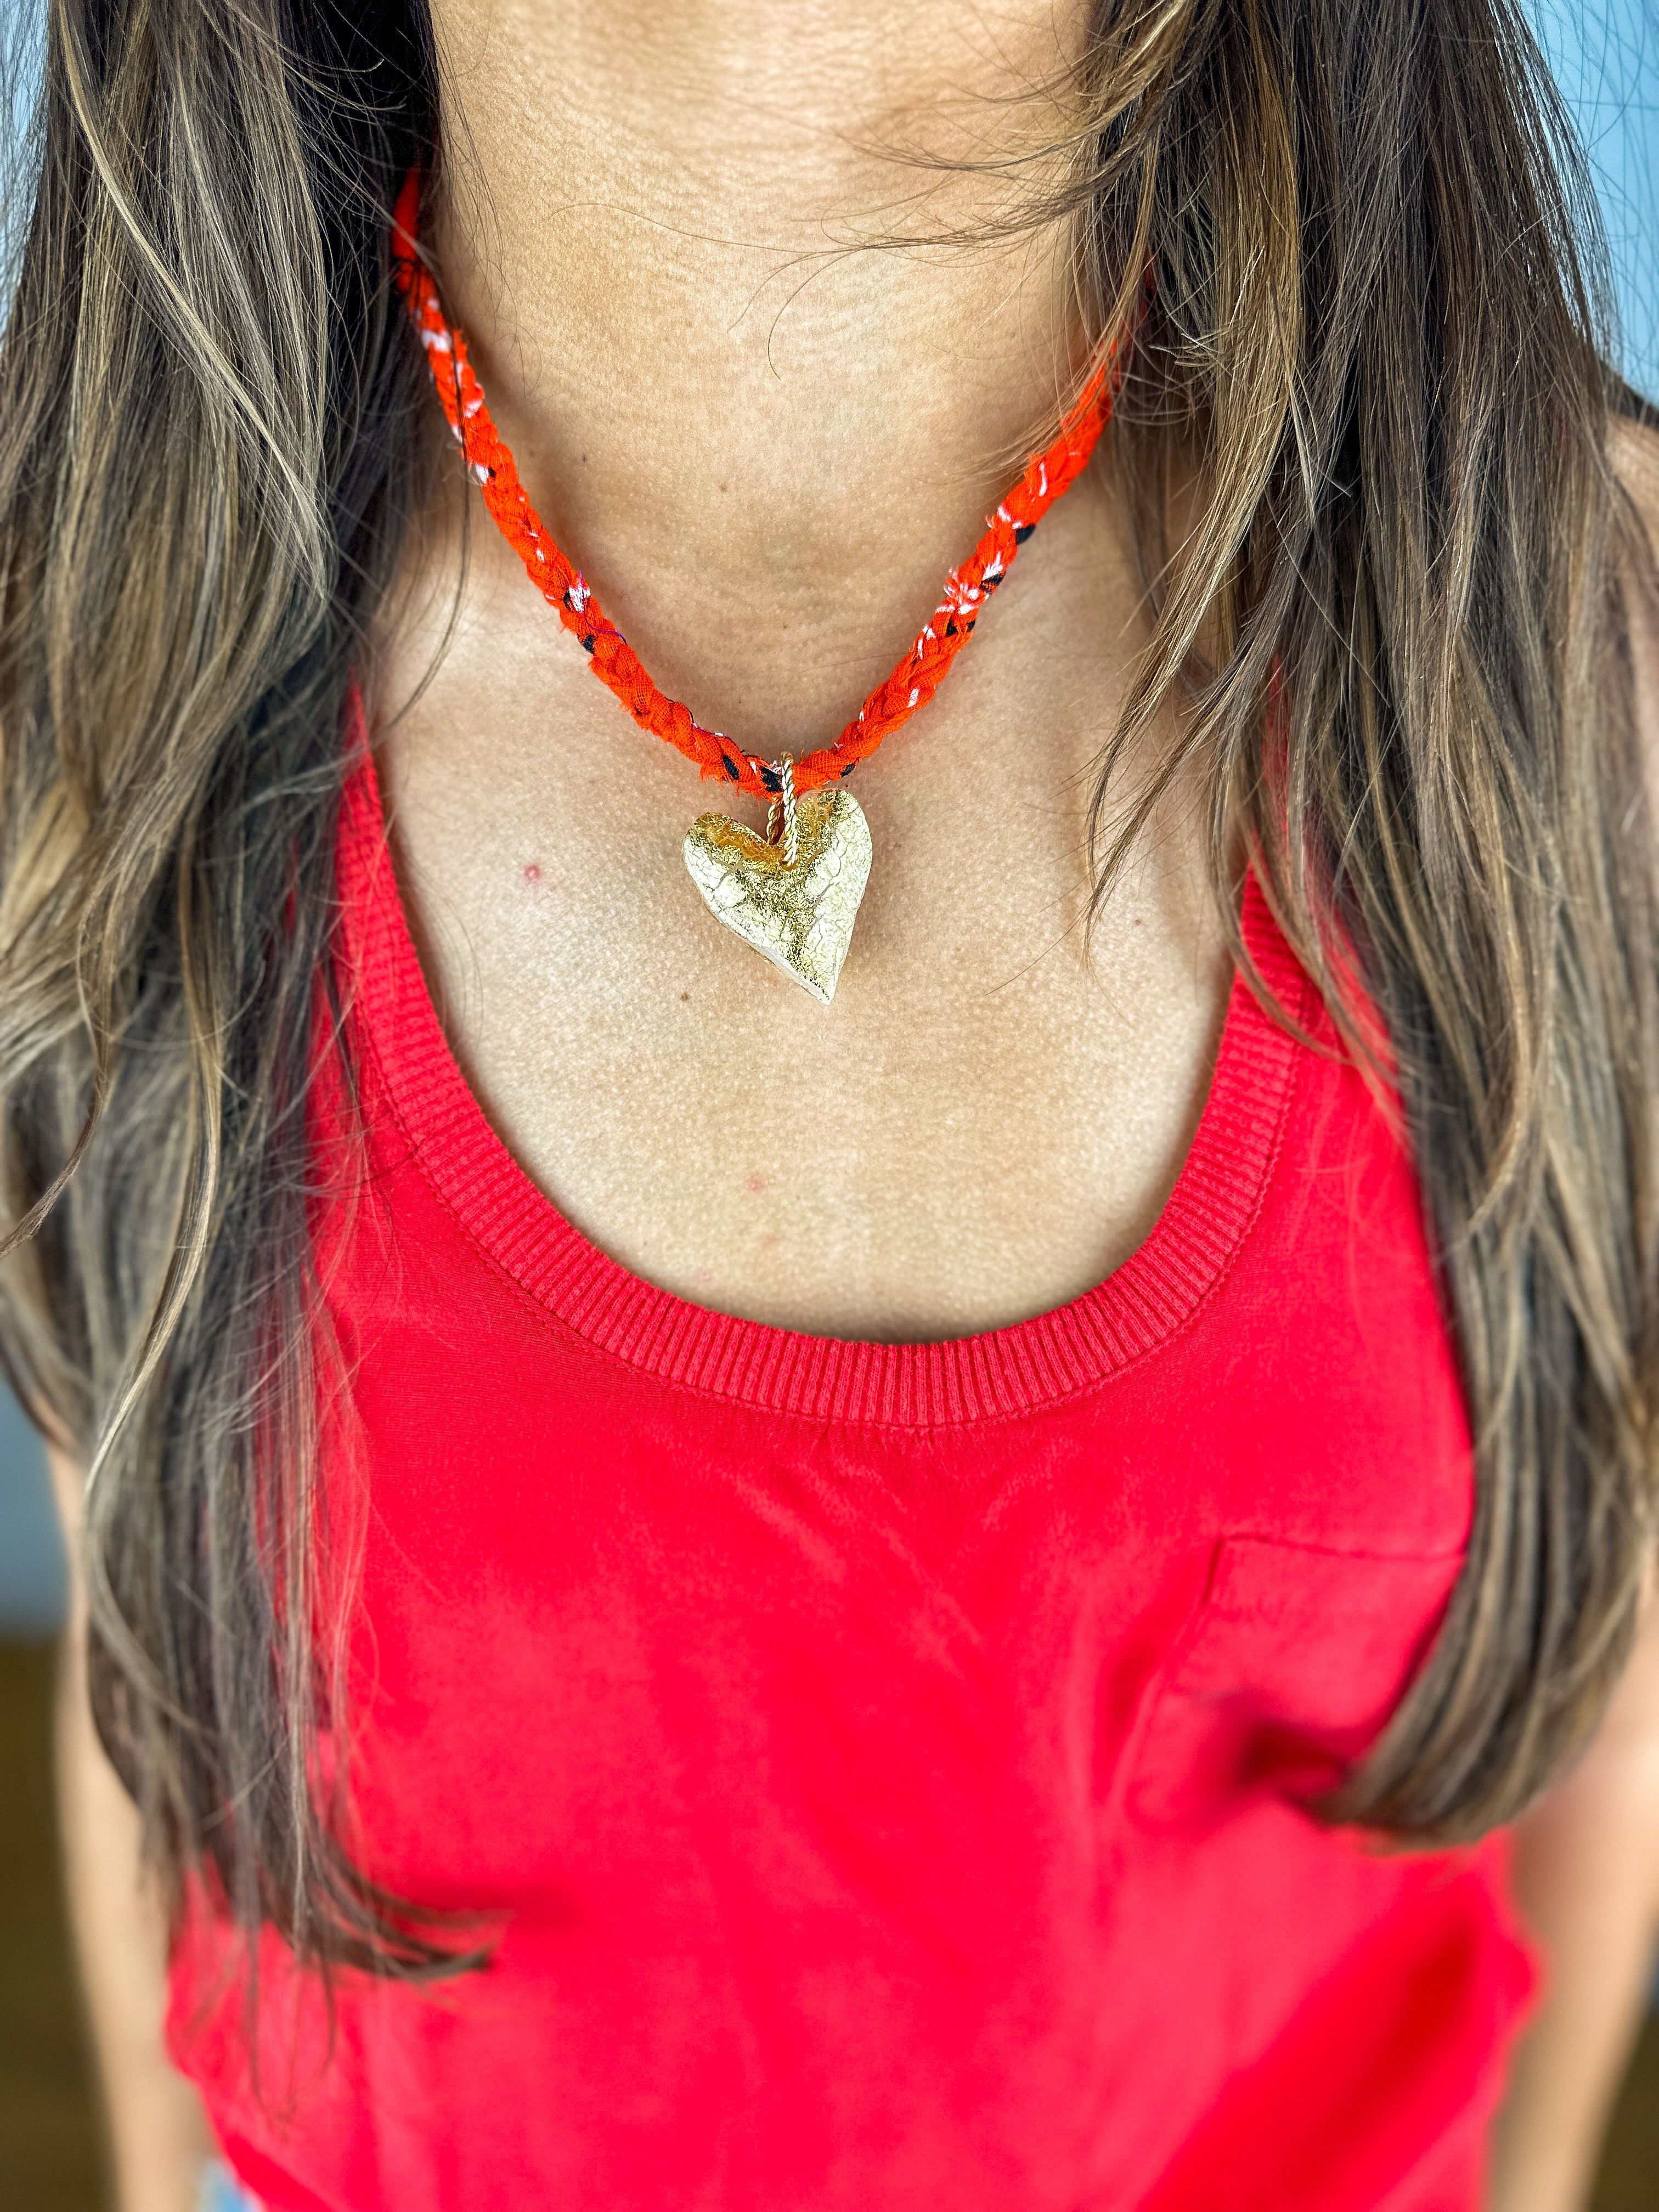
(1361, 255)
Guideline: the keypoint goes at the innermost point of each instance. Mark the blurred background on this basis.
(1605, 54)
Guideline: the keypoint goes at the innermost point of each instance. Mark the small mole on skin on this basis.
(754, 1180)
(685, 995)
(532, 874)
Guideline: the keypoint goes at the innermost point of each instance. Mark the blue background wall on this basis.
(1606, 58)
(1605, 54)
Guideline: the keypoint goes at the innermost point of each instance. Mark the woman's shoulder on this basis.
(1633, 448)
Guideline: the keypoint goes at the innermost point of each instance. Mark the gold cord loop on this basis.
(784, 770)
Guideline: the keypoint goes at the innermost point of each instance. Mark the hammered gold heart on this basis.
(799, 917)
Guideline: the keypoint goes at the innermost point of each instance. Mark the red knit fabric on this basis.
(884, 1765)
(614, 661)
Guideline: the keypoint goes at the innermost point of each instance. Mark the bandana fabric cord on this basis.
(793, 895)
(917, 675)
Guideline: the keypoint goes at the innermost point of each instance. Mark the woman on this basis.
(970, 1596)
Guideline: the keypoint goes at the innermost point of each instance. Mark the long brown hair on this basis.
(1400, 629)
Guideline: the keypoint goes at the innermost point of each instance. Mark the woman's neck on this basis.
(731, 419)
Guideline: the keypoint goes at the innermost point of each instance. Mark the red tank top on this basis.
(885, 1763)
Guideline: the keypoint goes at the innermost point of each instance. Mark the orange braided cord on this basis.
(911, 684)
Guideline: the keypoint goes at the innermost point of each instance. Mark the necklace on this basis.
(792, 894)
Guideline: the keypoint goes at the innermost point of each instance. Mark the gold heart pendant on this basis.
(794, 902)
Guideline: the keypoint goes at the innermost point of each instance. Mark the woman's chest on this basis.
(609, 1634)
(643, 1584)
(641, 1577)
(983, 1124)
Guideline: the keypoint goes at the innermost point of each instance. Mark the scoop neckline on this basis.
(1045, 1360)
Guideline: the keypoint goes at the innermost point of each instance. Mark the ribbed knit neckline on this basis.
(1053, 1357)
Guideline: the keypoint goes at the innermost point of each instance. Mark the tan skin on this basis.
(988, 1120)
(768, 451)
